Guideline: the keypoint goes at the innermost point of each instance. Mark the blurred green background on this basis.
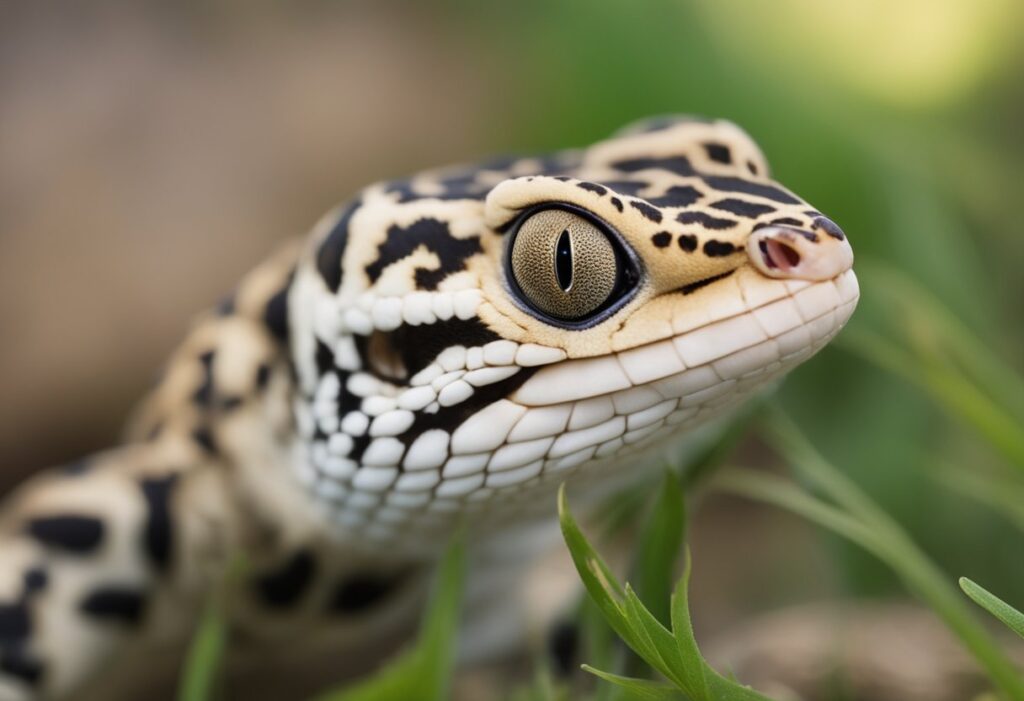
(150, 153)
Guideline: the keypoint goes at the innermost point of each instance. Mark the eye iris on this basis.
(563, 261)
(564, 265)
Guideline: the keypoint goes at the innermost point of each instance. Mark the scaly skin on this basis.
(361, 393)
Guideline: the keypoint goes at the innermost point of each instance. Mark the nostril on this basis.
(778, 254)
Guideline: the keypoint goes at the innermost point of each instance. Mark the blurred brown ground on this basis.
(149, 156)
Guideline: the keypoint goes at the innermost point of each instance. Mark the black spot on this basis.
(706, 220)
(362, 591)
(154, 431)
(694, 286)
(286, 585)
(680, 165)
(230, 403)
(204, 395)
(115, 603)
(35, 580)
(19, 663)
(275, 314)
(562, 178)
(649, 212)
(727, 183)
(688, 242)
(661, 239)
(752, 167)
(717, 249)
(69, 532)
(617, 203)
(829, 227)
(555, 163)
(742, 207)
(419, 345)
(262, 376)
(324, 358)
(628, 187)
(593, 187)
(435, 236)
(782, 221)
(331, 251)
(204, 439)
(15, 624)
(677, 196)
(563, 647)
(719, 153)
(158, 533)
(359, 445)
(226, 306)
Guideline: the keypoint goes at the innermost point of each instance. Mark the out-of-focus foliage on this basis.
(900, 120)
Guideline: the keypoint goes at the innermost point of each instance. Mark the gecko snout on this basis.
(787, 252)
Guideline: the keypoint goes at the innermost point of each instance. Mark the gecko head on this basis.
(667, 265)
(500, 327)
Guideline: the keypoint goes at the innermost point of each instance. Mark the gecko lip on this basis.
(788, 253)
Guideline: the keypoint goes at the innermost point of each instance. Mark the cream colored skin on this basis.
(408, 388)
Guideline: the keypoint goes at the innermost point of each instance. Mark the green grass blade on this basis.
(438, 640)
(424, 672)
(639, 689)
(599, 581)
(660, 542)
(1011, 617)
(693, 668)
(204, 657)
(663, 656)
(641, 631)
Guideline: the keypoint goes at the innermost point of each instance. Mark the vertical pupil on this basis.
(563, 261)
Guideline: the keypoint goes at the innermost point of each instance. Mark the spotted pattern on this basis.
(363, 391)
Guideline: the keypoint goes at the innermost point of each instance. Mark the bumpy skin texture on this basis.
(361, 393)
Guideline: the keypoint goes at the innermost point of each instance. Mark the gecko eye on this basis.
(566, 266)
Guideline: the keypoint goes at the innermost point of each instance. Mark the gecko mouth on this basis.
(694, 286)
(774, 325)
